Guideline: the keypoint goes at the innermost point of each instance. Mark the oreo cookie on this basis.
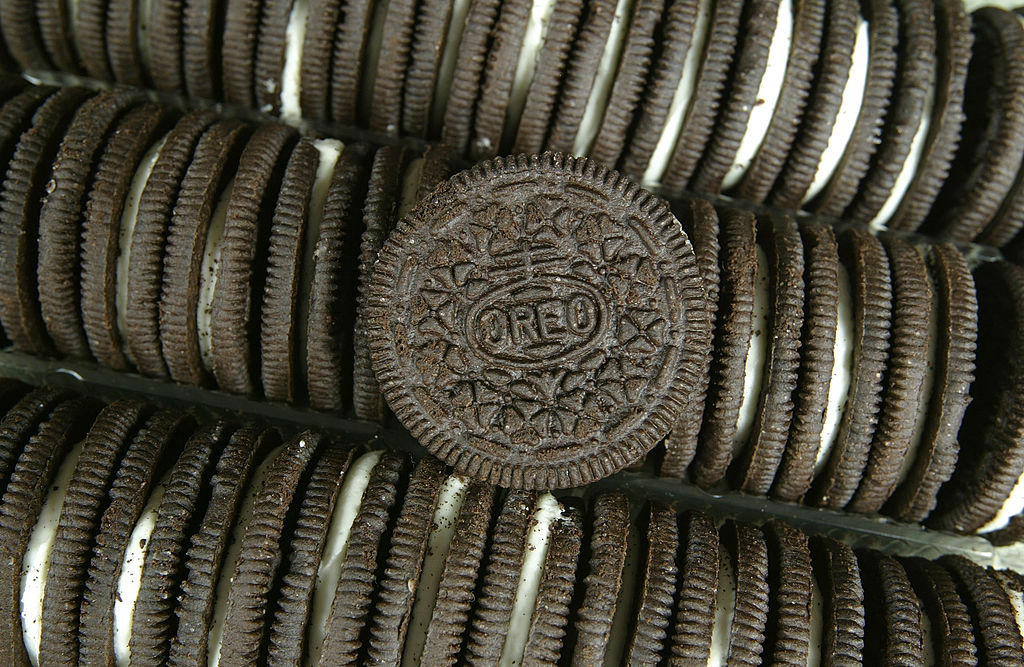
(748, 550)
(396, 38)
(658, 583)
(997, 635)
(511, 212)
(696, 597)
(893, 630)
(465, 87)
(951, 635)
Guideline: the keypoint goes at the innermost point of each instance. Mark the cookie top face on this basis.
(530, 320)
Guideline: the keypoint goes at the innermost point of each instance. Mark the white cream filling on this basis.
(291, 73)
(725, 609)
(230, 563)
(547, 511)
(768, 93)
(1012, 506)
(446, 514)
(1017, 602)
(757, 350)
(674, 119)
(526, 65)
(36, 563)
(597, 102)
(926, 390)
(816, 625)
(130, 580)
(208, 275)
(129, 216)
(1009, 5)
(410, 187)
(839, 385)
(449, 58)
(910, 165)
(849, 112)
(350, 498)
(615, 654)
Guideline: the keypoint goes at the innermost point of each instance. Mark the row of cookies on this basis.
(192, 248)
(853, 110)
(136, 535)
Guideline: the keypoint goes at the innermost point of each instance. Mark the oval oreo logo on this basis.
(537, 322)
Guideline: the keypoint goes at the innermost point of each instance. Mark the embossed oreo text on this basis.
(538, 322)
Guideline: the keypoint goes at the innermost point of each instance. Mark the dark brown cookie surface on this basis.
(555, 334)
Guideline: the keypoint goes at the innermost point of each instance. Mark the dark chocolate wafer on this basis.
(317, 52)
(123, 32)
(145, 268)
(389, 83)
(24, 495)
(101, 230)
(952, 635)
(114, 428)
(892, 631)
(787, 633)
(749, 551)
(202, 188)
(346, 69)
(912, 317)
(202, 23)
(429, 41)
(21, 35)
(953, 372)
(235, 311)
(842, 589)
(165, 36)
(817, 358)
(55, 25)
(659, 580)
(246, 38)
(61, 216)
(997, 635)
(758, 462)
(693, 622)
(91, 38)
(871, 291)
(468, 75)
(18, 424)
(154, 622)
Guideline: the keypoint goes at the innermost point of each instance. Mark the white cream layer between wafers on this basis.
(291, 72)
(526, 65)
(208, 274)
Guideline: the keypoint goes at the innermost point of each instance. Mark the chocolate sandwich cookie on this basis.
(469, 71)
(202, 23)
(235, 309)
(294, 597)
(871, 291)
(24, 495)
(330, 352)
(793, 101)
(545, 642)
(825, 97)
(992, 459)
(906, 368)
(396, 588)
(658, 584)
(542, 94)
(997, 635)
(25, 182)
(249, 46)
(741, 95)
(754, 470)
(914, 80)
(210, 540)
(153, 451)
(317, 50)
(605, 555)
(122, 35)
(817, 358)
(426, 52)
(748, 550)
(101, 230)
(379, 213)
(91, 38)
(165, 37)
(284, 259)
(732, 337)
(103, 447)
(246, 622)
(953, 53)
(351, 40)
(498, 78)
(992, 144)
(952, 635)
(355, 594)
(580, 73)
(694, 615)
(676, 37)
(146, 264)
(55, 24)
(630, 80)
(202, 187)
(787, 633)
(186, 490)
(62, 214)
(18, 424)
(457, 585)
(385, 99)
(719, 50)
(892, 630)
(883, 39)
(21, 35)
(956, 322)
(838, 574)
(507, 324)
(701, 225)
